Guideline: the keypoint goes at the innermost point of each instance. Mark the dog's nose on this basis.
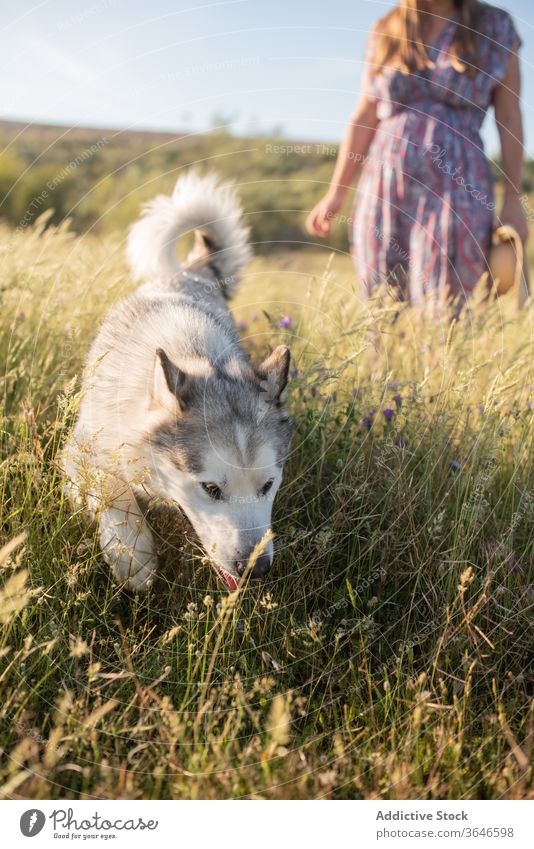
(260, 568)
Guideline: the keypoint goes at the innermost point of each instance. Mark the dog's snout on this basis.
(260, 568)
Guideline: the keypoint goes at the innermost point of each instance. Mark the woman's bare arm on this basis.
(506, 100)
(350, 158)
(355, 145)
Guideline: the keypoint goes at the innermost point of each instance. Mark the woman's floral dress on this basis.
(424, 207)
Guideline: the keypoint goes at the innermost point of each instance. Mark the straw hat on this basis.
(507, 267)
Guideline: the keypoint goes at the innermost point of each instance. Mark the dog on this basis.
(171, 407)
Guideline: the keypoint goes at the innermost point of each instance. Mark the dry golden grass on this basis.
(389, 654)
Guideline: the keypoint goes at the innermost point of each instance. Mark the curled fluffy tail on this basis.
(197, 203)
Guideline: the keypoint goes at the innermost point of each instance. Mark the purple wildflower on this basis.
(455, 466)
(255, 316)
(294, 373)
(388, 414)
(394, 384)
(480, 408)
(400, 442)
(367, 421)
(286, 321)
(242, 325)
(398, 401)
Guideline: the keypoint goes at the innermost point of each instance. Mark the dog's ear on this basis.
(273, 372)
(170, 383)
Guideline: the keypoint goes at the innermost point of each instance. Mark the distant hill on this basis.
(99, 177)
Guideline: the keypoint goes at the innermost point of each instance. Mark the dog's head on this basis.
(217, 448)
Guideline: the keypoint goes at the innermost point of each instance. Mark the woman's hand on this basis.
(513, 213)
(319, 221)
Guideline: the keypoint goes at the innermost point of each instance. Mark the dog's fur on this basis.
(170, 401)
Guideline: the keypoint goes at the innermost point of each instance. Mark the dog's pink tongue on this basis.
(230, 580)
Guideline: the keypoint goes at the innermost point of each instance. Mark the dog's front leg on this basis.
(127, 543)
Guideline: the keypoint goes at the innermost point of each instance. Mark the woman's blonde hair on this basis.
(400, 39)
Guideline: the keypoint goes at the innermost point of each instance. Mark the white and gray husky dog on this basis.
(171, 407)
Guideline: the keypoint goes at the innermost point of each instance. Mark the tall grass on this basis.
(389, 653)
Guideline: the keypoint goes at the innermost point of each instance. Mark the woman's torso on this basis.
(439, 111)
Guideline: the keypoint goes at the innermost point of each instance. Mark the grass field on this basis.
(390, 652)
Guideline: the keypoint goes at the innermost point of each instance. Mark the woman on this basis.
(424, 209)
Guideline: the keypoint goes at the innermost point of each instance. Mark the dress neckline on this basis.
(452, 22)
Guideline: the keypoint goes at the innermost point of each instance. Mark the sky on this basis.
(255, 65)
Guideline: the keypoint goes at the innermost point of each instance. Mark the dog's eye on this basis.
(213, 490)
(266, 487)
